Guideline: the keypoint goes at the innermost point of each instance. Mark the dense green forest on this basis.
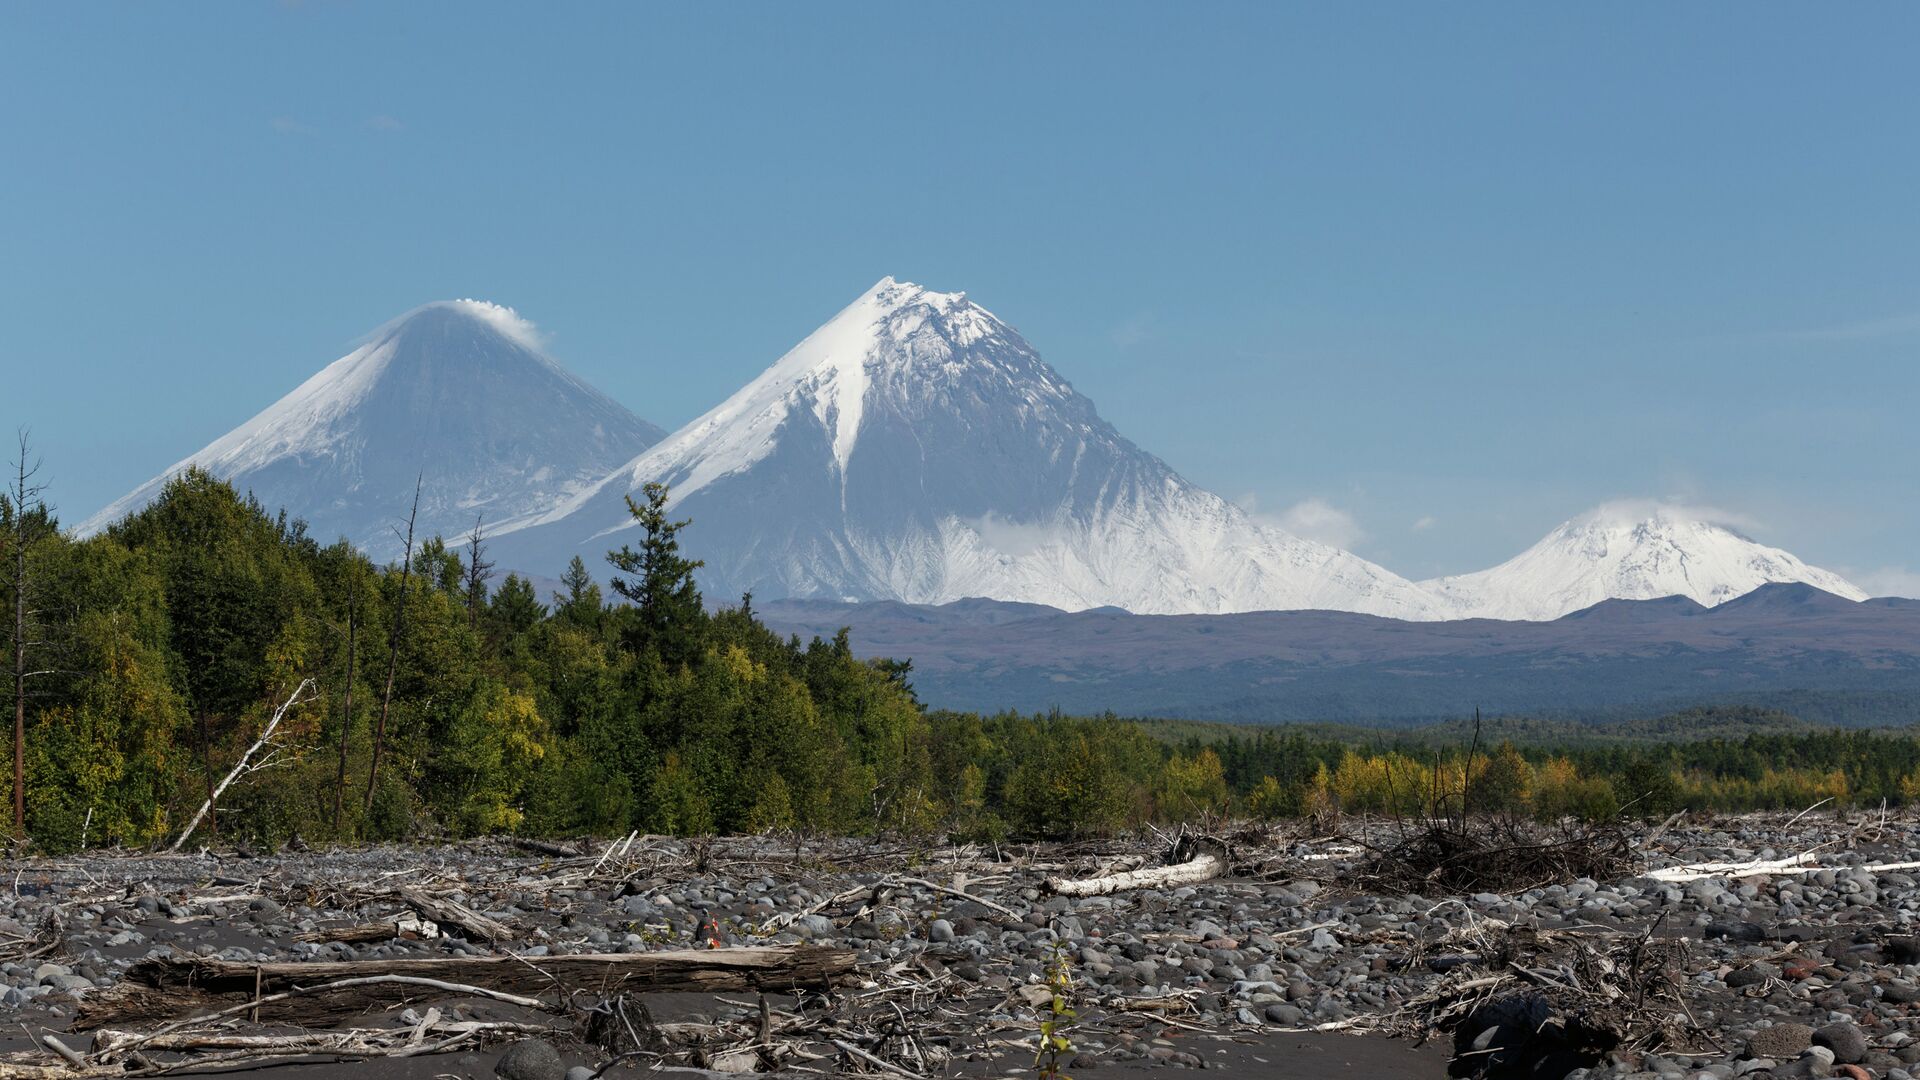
(144, 664)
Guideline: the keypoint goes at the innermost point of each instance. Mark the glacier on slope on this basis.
(458, 394)
(916, 448)
(1629, 551)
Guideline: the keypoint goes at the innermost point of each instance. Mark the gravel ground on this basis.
(1776, 975)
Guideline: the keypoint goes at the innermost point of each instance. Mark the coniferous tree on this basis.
(581, 604)
(666, 603)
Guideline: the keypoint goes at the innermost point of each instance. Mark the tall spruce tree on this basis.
(667, 617)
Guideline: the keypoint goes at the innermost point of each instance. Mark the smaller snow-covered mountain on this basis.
(1629, 551)
(458, 394)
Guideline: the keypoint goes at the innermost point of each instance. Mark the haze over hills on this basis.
(458, 394)
(916, 448)
(1629, 551)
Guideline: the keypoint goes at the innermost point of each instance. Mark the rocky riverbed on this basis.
(1767, 971)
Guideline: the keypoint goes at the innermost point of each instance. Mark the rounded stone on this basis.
(1847, 1041)
(531, 1059)
(1780, 1042)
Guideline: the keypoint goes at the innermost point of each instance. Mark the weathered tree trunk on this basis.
(19, 685)
(346, 719)
(23, 492)
(393, 650)
(1199, 868)
(475, 926)
(206, 764)
(479, 570)
(167, 987)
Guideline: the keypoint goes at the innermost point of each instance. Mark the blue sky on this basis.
(1446, 274)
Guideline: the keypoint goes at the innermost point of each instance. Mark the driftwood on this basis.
(472, 924)
(1201, 867)
(364, 933)
(165, 988)
(121, 1053)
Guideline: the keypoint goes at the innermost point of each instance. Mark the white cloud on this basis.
(1889, 581)
(1424, 524)
(506, 320)
(1011, 538)
(1634, 511)
(287, 125)
(383, 122)
(1311, 519)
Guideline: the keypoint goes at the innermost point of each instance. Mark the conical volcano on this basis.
(458, 394)
(917, 448)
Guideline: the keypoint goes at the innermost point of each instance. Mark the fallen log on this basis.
(1201, 867)
(169, 987)
(542, 847)
(446, 912)
(364, 933)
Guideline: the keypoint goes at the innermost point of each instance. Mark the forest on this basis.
(431, 698)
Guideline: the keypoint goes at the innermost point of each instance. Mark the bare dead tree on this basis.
(24, 493)
(246, 763)
(479, 572)
(393, 646)
(346, 718)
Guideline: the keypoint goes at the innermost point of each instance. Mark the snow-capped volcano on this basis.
(1626, 551)
(916, 448)
(457, 393)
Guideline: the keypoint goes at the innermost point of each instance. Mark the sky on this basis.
(1421, 279)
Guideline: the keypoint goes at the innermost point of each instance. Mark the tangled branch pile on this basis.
(1495, 853)
(1527, 995)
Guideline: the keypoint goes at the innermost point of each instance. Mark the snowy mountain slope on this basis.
(458, 393)
(916, 448)
(1626, 551)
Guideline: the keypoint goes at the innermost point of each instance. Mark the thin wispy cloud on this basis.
(383, 122)
(1634, 511)
(1311, 519)
(1134, 330)
(1012, 538)
(1423, 524)
(287, 125)
(1889, 581)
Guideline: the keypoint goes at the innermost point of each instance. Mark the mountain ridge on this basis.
(1341, 666)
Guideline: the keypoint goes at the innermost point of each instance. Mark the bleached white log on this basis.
(1788, 867)
(1199, 868)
